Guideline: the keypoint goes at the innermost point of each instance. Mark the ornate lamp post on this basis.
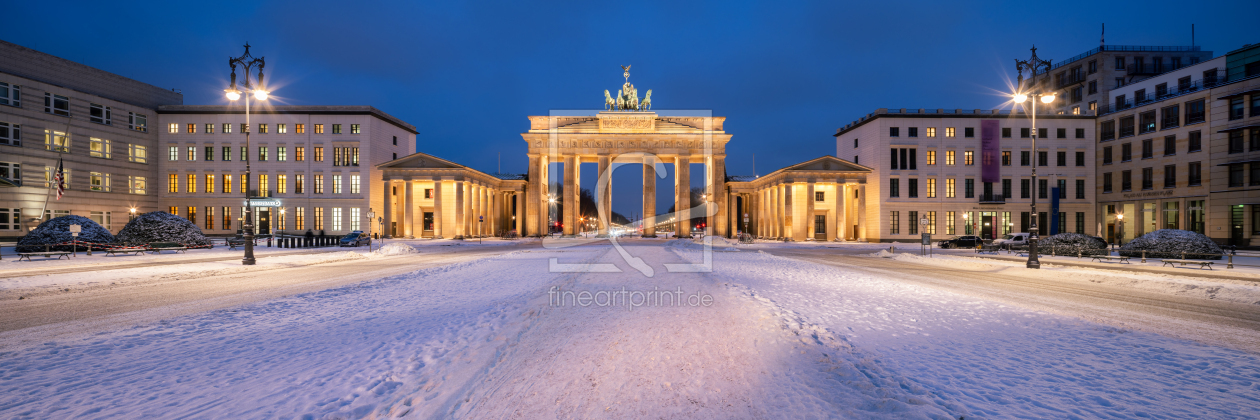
(371, 215)
(1032, 65)
(247, 62)
(1120, 239)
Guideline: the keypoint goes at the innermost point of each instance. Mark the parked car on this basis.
(1013, 240)
(356, 238)
(969, 241)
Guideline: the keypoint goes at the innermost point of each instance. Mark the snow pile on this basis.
(1171, 243)
(57, 231)
(395, 249)
(719, 244)
(1070, 243)
(159, 226)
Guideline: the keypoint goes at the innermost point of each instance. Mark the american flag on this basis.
(60, 180)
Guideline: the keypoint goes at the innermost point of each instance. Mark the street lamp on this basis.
(247, 62)
(133, 214)
(371, 215)
(1032, 65)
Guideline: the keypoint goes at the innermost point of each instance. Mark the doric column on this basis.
(809, 224)
(682, 199)
(791, 225)
(459, 209)
(409, 213)
(570, 195)
(772, 211)
(649, 197)
(437, 208)
(605, 199)
(721, 221)
(861, 212)
(519, 216)
(527, 211)
(842, 221)
(469, 218)
(388, 208)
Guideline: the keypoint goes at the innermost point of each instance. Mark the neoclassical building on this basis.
(823, 199)
(430, 197)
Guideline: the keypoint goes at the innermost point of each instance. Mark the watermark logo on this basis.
(629, 299)
(637, 141)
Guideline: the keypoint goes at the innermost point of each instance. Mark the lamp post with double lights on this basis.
(1032, 65)
(247, 62)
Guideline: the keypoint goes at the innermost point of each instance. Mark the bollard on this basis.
(892, 249)
(1143, 255)
(1231, 261)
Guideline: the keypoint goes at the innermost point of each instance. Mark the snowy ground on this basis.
(782, 338)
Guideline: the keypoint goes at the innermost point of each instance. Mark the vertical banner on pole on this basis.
(990, 152)
(1054, 211)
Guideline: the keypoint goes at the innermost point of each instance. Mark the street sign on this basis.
(927, 239)
(76, 229)
(923, 221)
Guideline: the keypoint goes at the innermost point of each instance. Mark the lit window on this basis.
(137, 184)
(949, 158)
(210, 183)
(336, 128)
(98, 148)
(931, 188)
(56, 141)
(931, 157)
(209, 128)
(931, 132)
(282, 153)
(192, 154)
(99, 181)
(192, 128)
(319, 129)
(192, 183)
(949, 132)
(969, 158)
(140, 154)
(299, 128)
(262, 128)
(354, 129)
(172, 153)
(336, 179)
(282, 128)
(227, 128)
(172, 128)
(172, 183)
(282, 184)
(354, 184)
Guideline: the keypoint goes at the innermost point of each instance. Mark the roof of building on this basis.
(951, 113)
(289, 109)
(50, 69)
(1123, 48)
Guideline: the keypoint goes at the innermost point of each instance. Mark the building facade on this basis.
(926, 166)
(97, 123)
(1084, 82)
(430, 197)
(312, 167)
(1234, 166)
(816, 200)
(1154, 145)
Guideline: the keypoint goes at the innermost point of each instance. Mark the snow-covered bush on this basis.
(1170, 243)
(57, 231)
(1070, 243)
(160, 226)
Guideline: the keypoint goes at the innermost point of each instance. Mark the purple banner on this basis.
(990, 152)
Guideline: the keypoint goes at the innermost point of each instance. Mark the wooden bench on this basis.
(1201, 263)
(47, 254)
(233, 243)
(1120, 258)
(158, 247)
(137, 250)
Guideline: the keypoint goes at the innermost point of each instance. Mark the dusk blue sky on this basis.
(785, 74)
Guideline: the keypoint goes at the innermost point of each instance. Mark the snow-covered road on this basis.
(783, 338)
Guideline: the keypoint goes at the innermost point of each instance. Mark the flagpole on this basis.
(52, 177)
